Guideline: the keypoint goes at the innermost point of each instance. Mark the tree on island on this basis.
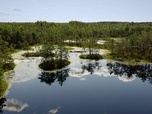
(54, 57)
(91, 47)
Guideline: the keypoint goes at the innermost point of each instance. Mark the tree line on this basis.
(21, 35)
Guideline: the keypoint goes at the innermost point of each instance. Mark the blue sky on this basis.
(79, 10)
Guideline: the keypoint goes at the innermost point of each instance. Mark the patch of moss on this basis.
(54, 64)
(92, 56)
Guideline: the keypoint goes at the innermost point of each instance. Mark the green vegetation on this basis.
(54, 64)
(135, 39)
(90, 46)
(39, 54)
(6, 62)
(32, 54)
(93, 56)
(68, 48)
(135, 47)
(54, 56)
(3, 86)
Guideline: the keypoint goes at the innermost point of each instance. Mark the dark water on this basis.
(85, 87)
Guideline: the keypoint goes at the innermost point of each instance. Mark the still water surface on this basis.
(85, 87)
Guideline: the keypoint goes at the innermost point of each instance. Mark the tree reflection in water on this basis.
(143, 71)
(51, 77)
(128, 72)
(2, 104)
(90, 67)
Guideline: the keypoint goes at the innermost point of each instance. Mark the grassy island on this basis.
(54, 64)
(93, 56)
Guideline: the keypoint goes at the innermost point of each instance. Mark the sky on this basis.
(75, 10)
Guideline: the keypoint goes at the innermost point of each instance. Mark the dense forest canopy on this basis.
(136, 38)
(21, 35)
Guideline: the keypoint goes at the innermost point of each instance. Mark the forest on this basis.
(125, 40)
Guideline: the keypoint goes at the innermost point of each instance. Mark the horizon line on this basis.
(74, 21)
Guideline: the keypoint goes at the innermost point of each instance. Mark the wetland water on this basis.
(85, 87)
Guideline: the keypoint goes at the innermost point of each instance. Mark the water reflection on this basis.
(27, 70)
(54, 111)
(2, 104)
(51, 77)
(12, 105)
(143, 71)
(86, 68)
(98, 68)
(124, 72)
(90, 67)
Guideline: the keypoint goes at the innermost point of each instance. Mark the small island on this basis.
(54, 57)
(92, 56)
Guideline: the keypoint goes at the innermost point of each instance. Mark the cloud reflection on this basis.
(14, 105)
(54, 111)
(82, 79)
(101, 71)
(125, 78)
(26, 70)
(78, 73)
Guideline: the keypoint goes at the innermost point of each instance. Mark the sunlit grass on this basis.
(69, 48)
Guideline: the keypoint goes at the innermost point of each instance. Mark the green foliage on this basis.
(136, 47)
(6, 62)
(36, 54)
(136, 36)
(47, 51)
(90, 46)
(54, 56)
(93, 56)
(3, 86)
(54, 64)
(8, 66)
